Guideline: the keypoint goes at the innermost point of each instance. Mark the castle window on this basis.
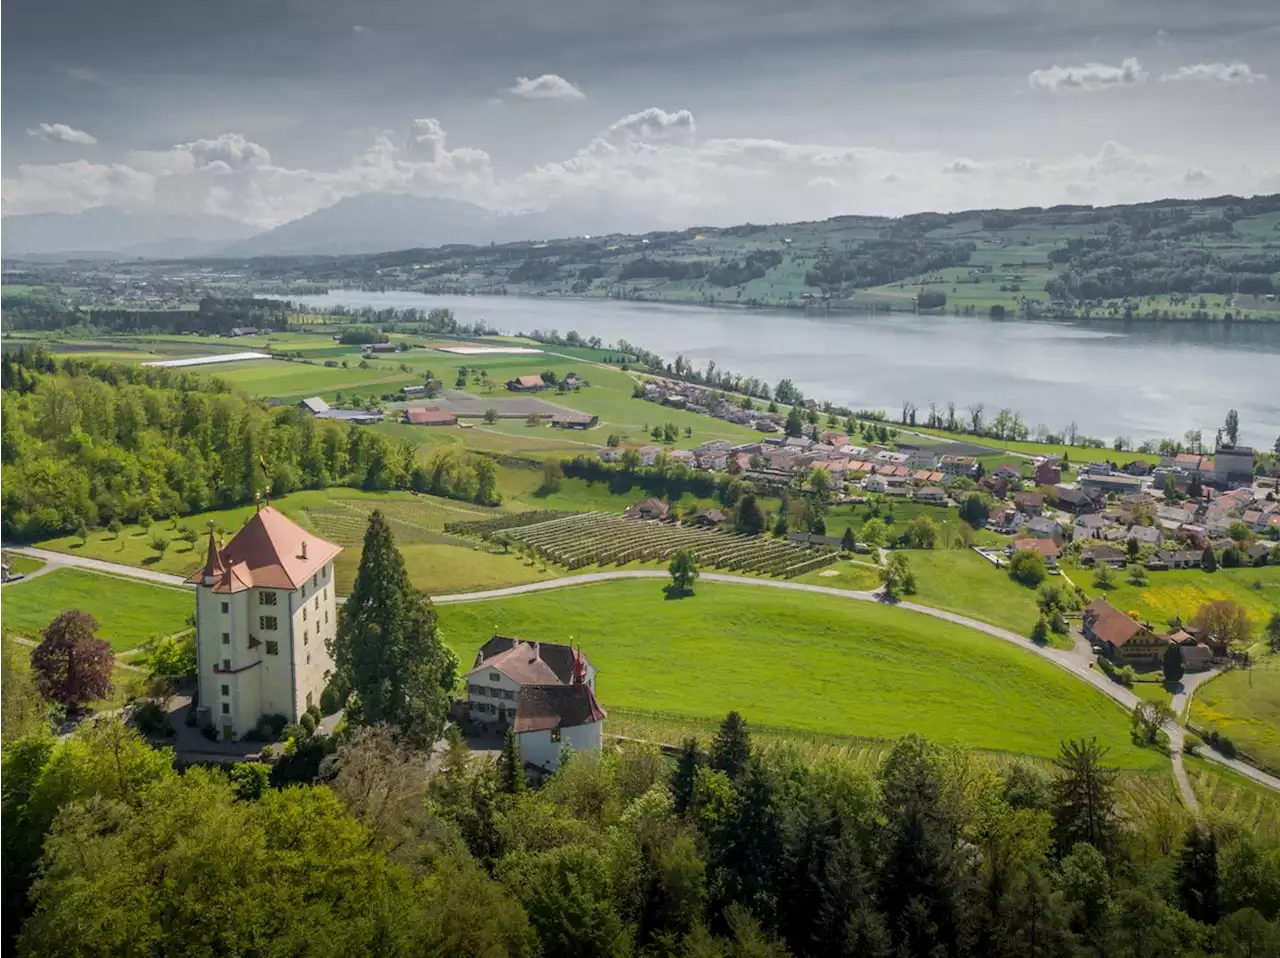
(267, 623)
(555, 735)
(266, 598)
(273, 648)
(326, 593)
(226, 708)
(308, 658)
(226, 638)
(495, 677)
(313, 582)
(304, 613)
(305, 637)
(226, 690)
(226, 665)
(226, 607)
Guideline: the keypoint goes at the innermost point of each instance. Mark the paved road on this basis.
(62, 559)
(1063, 659)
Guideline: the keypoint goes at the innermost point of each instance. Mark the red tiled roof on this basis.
(269, 552)
(522, 664)
(429, 416)
(1046, 547)
(542, 707)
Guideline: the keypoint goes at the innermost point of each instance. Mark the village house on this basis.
(650, 509)
(265, 612)
(958, 465)
(1089, 526)
(609, 454)
(1046, 547)
(1048, 473)
(1144, 535)
(524, 384)
(543, 691)
(1104, 554)
(1117, 483)
(997, 486)
(1029, 503)
(709, 518)
(932, 494)
(1232, 465)
(649, 454)
(1122, 639)
(1005, 521)
(1175, 559)
(1042, 527)
(1009, 473)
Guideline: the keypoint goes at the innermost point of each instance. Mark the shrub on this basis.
(330, 700)
(151, 719)
(308, 723)
(1040, 632)
(314, 712)
(274, 724)
(1028, 567)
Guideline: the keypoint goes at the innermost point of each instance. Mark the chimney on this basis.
(537, 652)
(304, 549)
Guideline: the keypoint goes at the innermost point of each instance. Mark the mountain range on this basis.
(368, 223)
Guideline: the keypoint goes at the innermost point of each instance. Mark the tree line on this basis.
(91, 443)
(213, 317)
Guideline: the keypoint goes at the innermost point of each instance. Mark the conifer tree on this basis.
(685, 775)
(731, 750)
(510, 766)
(387, 649)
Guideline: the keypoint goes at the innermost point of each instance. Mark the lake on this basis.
(1141, 380)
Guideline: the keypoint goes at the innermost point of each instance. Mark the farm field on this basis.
(960, 580)
(1244, 705)
(1181, 592)
(593, 538)
(1254, 806)
(1074, 454)
(128, 611)
(802, 661)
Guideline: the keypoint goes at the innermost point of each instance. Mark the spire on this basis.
(213, 563)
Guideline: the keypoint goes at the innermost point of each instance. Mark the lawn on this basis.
(23, 565)
(1074, 454)
(1244, 705)
(855, 575)
(441, 569)
(129, 612)
(1181, 592)
(815, 663)
(961, 581)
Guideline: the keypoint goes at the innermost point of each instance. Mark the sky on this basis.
(682, 112)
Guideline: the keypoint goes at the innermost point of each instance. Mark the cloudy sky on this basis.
(687, 111)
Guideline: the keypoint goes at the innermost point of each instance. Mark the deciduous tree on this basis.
(1224, 624)
(72, 665)
(684, 571)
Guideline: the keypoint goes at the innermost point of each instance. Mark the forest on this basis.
(213, 317)
(358, 845)
(91, 443)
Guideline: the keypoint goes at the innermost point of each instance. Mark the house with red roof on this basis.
(265, 611)
(544, 692)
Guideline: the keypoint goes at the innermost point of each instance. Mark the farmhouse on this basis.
(543, 691)
(315, 405)
(382, 347)
(574, 420)
(709, 518)
(525, 384)
(1122, 638)
(243, 331)
(413, 390)
(429, 416)
(648, 509)
(264, 614)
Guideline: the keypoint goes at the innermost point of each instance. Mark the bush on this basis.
(1221, 743)
(1040, 632)
(152, 720)
(308, 723)
(273, 724)
(1121, 676)
(1028, 567)
(330, 700)
(314, 712)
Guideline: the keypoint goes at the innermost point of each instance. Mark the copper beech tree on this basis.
(72, 665)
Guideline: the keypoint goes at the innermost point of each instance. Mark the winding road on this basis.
(1071, 661)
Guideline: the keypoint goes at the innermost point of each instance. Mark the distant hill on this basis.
(109, 230)
(377, 222)
(1216, 258)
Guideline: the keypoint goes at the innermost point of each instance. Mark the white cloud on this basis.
(1089, 78)
(647, 163)
(1228, 73)
(60, 131)
(549, 86)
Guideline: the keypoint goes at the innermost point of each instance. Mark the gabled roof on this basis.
(269, 552)
(522, 664)
(315, 404)
(541, 707)
(560, 658)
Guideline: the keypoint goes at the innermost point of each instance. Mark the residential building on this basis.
(709, 518)
(1048, 473)
(413, 390)
(1233, 465)
(609, 454)
(382, 348)
(1104, 554)
(1122, 638)
(932, 494)
(1145, 535)
(958, 465)
(580, 420)
(1043, 527)
(1005, 521)
(1089, 526)
(265, 612)
(543, 691)
(1175, 559)
(1115, 482)
(315, 405)
(1046, 547)
(649, 454)
(1076, 500)
(1029, 503)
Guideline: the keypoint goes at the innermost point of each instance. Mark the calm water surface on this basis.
(1142, 380)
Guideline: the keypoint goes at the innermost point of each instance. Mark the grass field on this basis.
(1074, 454)
(856, 576)
(1244, 705)
(960, 580)
(23, 565)
(809, 662)
(1181, 592)
(897, 514)
(435, 562)
(129, 612)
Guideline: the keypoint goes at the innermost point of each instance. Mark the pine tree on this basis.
(387, 650)
(1084, 797)
(795, 423)
(731, 750)
(1173, 670)
(1208, 560)
(1197, 875)
(685, 775)
(847, 542)
(510, 766)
